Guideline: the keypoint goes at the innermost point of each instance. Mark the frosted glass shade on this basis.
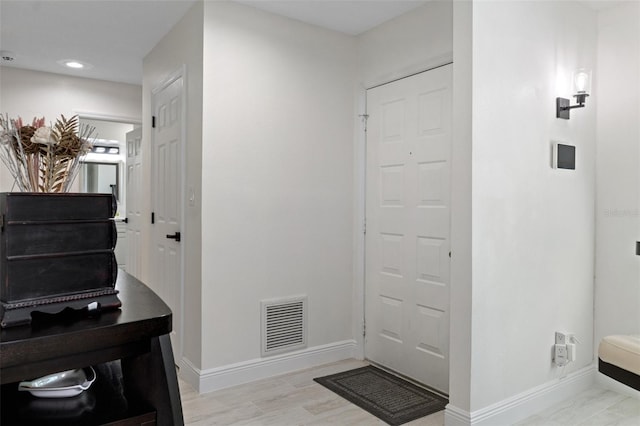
(582, 82)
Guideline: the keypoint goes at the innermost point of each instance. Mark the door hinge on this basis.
(364, 227)
(153, 121)
(153, 218)
(364, 329)
(364, 118)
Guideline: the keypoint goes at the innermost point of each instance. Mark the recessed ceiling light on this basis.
(72, 63)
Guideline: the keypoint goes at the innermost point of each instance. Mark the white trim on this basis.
(454, 416)
(429, 64)
(360, 175)
(136, 121)
(525, 404)
(189, 373)
(181, 72)
(183, 197)
(213, 379)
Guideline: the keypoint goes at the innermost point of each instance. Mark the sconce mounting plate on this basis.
(562, 108)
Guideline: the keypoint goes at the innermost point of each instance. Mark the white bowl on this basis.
(60, 385)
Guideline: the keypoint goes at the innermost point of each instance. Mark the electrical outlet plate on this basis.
(560, 355)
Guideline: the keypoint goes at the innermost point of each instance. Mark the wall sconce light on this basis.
(581, 88)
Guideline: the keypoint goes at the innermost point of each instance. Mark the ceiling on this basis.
(113, 36)
(351, 17)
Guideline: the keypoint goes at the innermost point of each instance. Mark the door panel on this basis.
(407, 239)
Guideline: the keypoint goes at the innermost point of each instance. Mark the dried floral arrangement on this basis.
(42, 158)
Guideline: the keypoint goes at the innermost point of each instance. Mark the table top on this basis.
(54, 344)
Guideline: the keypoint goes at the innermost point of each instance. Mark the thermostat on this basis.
(564, 156)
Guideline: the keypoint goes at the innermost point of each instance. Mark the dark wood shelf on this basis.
(135, 336)
(103, 403)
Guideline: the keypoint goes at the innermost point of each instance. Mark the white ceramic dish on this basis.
(64, 384)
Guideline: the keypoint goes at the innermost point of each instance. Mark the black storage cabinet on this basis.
(56, 251)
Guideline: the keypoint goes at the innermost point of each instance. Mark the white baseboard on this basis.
(614, 385)
(261, 368)
(454, 416)
(525, 404)
(189, 373)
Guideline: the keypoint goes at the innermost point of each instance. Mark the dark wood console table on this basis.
(136, 337)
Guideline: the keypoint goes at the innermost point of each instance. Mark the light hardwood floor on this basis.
(594, 407)
(295, 399)
(291, 399)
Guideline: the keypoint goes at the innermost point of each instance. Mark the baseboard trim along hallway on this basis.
(248, 371)
(525, 404)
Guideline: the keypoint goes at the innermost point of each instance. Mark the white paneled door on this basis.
(407, 231)
(166, 194)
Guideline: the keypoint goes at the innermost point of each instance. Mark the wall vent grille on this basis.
(284, 325)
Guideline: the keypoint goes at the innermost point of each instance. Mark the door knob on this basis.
(175, 236)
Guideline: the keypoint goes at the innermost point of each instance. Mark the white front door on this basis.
(134, 194)
(407, 231)
(166, 187)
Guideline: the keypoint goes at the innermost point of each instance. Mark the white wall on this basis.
(461, 210)
(181, 46)
(416, 41)
(618, 172)
(277, 177)
(32, 93)
(111, 130)
(533, 226)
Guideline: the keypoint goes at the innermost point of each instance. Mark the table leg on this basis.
(152, 378)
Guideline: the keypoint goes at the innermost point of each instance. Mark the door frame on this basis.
(360, 208)
(135, 121)
(181, 72)
(130, 222)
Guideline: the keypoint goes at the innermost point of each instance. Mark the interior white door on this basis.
(407, 231)
(134, 193)
(166, 187)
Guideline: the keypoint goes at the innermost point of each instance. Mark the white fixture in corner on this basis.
(581, 82)
(564, 351)
(74, 64)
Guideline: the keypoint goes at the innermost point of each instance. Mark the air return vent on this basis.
(284, 325)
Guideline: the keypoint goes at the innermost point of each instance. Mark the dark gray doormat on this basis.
(384, 395)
